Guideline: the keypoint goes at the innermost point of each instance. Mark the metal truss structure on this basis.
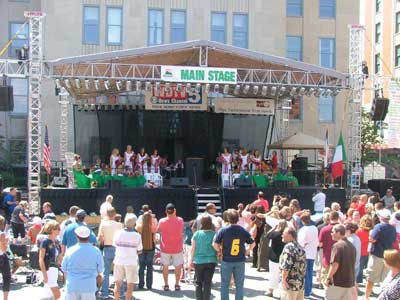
(14, 68)
(64, 107)
(35, 68)
(356, 51)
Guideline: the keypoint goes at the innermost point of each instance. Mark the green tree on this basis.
(369, 136)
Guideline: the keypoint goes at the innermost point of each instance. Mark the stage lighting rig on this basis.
(282, 91)
(138, 86)
(148, 86)
(293, 91)
(87, 84)
(273, 91)
(107, 84)
(198, 88)
(226, 89)
(188, 87)
(246, 89)
(96, 84)
(128, 86)
(302, 91)
(264, 90)
(255, 89)
(77, 83)
(216, 88)
(67, 83)
(119, 85)
(237, 89)
(58, 83)
(207, 88)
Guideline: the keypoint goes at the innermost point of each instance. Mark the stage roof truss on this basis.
(13, 68)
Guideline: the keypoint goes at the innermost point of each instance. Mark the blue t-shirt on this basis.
(204, 252)
(385, 235)
(69, 237)
(233, 239)
(9, 198)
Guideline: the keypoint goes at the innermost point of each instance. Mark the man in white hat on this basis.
(82, 265)
(382, 238)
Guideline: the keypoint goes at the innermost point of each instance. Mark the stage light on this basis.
(207, 88)
(85, 107)
(138, 86)
(92, 107)
(188, 87)
(198, 88)
(318, 92)
(302, 91)
(67, 83)
(293, 91)
(255, 89)
(167, 86)
(282, 91)
(128, 86)
(335, 92)
(119, 85)
(310, 92)
(105, 107)
(226, 88)
(327, 92)
(87, 84)
(179, 87)
(106, 85)
(216, 88)
(96, 84)
(273, 91)
(264, 90)
(157, 86)
(237, 89)
(77, 83)
(246, 89)
(58, 84)
(148, 86)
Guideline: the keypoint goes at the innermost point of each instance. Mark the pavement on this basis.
(255, 288)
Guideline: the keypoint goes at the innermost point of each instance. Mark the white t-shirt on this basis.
(319, 202)
(103, 209)
(395, 222)
(308, 239)
(127, 244)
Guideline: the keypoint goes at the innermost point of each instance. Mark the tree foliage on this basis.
(369, 136)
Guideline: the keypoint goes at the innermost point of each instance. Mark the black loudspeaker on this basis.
(179, 182)
(299, 168)
(243, 182)
(379, 109)
(6, 98)
(195, 169)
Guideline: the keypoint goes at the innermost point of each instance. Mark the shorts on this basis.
(292, 295)
(130, 273)
(52, 277)
(18, 229)
(80, 296)
(338, 293)
(376, 269)
(175, 260)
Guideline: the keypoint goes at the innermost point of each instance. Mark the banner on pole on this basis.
(245, 106)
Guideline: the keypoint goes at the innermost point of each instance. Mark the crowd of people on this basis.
(344, 250)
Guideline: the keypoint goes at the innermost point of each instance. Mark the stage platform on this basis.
(183, 198)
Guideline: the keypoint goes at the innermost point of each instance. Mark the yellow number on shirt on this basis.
(235, 248)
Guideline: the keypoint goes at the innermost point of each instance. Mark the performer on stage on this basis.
(141, 161)
(274, 160)
(226, 161)
(255, 162)
(77, 165)
(129, 159)
(97, 168)
(114, 161)
(243, 161)
(155, 160)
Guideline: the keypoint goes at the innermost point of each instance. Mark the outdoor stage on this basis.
(183, 198)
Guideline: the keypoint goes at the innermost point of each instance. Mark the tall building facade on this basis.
(313, 31)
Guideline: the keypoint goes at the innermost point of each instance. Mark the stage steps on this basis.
(204, 198)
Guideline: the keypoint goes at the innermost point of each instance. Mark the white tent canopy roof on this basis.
(300, 141)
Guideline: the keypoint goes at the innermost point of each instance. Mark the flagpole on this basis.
(48, 180)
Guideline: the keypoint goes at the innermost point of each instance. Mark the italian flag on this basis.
(339, 158)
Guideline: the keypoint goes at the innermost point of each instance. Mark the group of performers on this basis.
(244, 162)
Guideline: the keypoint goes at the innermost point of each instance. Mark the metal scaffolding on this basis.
(356, 36)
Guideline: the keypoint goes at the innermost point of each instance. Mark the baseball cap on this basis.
(384, 213)
(81, 213)
(170, 206)
(82, 231)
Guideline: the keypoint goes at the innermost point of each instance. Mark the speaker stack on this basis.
(6, 98)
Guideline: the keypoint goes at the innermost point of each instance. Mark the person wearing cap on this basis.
(389, 199)
(128, 244)
(210, 211)
(382, 238)
(106, 205)
(171, 244)
(69, 238)
(82, 266)
(261, 201)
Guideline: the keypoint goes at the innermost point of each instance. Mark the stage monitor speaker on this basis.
(243, 182)
(300, 163)
(195, 169)
(6, 98)
(379, 109)
(60, 181)
(179, 182)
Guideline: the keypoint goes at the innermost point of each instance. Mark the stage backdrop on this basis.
(176, 135)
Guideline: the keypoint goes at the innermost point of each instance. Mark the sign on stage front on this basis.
(244, 106)
(173, 99)
(198, 74)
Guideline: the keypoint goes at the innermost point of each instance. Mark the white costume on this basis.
(128, 161)
(244, 162)
(226, 161)
(155, 163)
(142, 165)
(113, 160)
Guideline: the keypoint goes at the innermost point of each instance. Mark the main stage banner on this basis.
(199, 74)
(172, 99)
(244, 106)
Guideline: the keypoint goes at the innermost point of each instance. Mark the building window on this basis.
(19, 34)
(377, 63)
(327, 9)
(378, 6)
(156, 27)
(294, 47)
(114, 25)
(91, 25)
(294, 8)
(397, 56)
(240, 30)
(327, 52)
(178, 26)
(398, 22)
(377, 33)
(326, 109)
(20, 91)
(218, 27)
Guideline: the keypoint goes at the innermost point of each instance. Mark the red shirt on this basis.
(364, 237)
(171, 230)
(262, 202)
(325, 238)
(361, 208)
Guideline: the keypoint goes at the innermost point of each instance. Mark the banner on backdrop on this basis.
(199, 74)
(174, 99)
(245, 106)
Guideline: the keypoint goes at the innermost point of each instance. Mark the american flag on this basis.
(46, 152)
